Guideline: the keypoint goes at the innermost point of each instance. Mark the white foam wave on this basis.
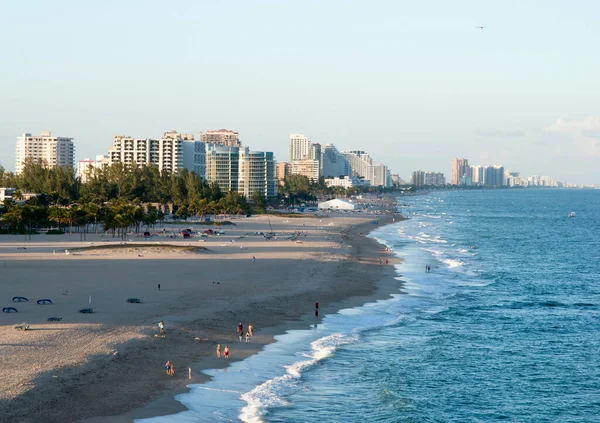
(453, 263)
(272, 393)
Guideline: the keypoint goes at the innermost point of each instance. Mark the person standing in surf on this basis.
(226, 352)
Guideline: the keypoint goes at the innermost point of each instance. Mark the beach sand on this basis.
(109, 366)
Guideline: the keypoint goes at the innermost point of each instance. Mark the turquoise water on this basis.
(506, 327)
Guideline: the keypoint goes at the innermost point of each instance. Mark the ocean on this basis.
(505, 327)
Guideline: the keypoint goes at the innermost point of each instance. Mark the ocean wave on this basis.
(272, 393)
(453, 263)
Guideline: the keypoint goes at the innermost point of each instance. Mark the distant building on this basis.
(222, 166)
(194, 156)
(307, 167)
(396, 179)
(305, 157)
(345, 182)
(337, 204)
(241, 170)
(333, 162)
(165, 153)
(86, 166)
(362, 166)
(44, 148)
(282, 170)
(460, 168)
(300, 148)
(256, 173)
(225, 137)
(432, 179)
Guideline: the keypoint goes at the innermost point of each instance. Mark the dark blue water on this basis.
(506, 327)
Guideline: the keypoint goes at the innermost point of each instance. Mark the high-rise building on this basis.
(304, 156)
(46, 149)
(299, 147)
(224, 137)
(478, 175)
(194, 156)
(282, 170)
(361, 165)
(434, 179)
(460, 168)
(256, 173)
(222, 166)
(333, 163)
(241, 170)
(165, 153)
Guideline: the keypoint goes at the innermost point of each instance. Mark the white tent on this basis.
(337, 204)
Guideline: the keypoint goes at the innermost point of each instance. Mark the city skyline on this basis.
(376, 76)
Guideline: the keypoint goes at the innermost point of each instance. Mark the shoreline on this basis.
(166, 404)
(271, 314)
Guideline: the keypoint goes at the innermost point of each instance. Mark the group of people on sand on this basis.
(240, 331)
(225, 351)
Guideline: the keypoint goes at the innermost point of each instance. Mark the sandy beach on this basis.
(108, 366)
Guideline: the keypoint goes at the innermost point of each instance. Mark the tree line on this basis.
(118, 197)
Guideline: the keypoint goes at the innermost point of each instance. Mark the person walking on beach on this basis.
(161, 327)
(172, 369)
(189, 373)
(240, 330)
(253, 259)
(247, 336)
(250, 328)
(168, 367)
(226, 352)
(218, 350)
(159, 287)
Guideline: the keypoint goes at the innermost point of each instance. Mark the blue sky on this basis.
(414, 83)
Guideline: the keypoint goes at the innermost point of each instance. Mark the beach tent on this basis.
(337, 204)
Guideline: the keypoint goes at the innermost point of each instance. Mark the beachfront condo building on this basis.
(460, 169)
(282, 170)
(222, 166)
(256, 173)
(361, 165)
(194, 156)
(433, 179)
(44, 148)
(240, 170)
(333, 163)
(225, 137)
(165, 153)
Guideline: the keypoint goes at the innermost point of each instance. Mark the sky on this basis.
(413, 83)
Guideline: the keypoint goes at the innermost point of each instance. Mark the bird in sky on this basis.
(481, 27)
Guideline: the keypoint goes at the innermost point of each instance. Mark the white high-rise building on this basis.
(300, 147)
(52, 151)
(165, 153)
